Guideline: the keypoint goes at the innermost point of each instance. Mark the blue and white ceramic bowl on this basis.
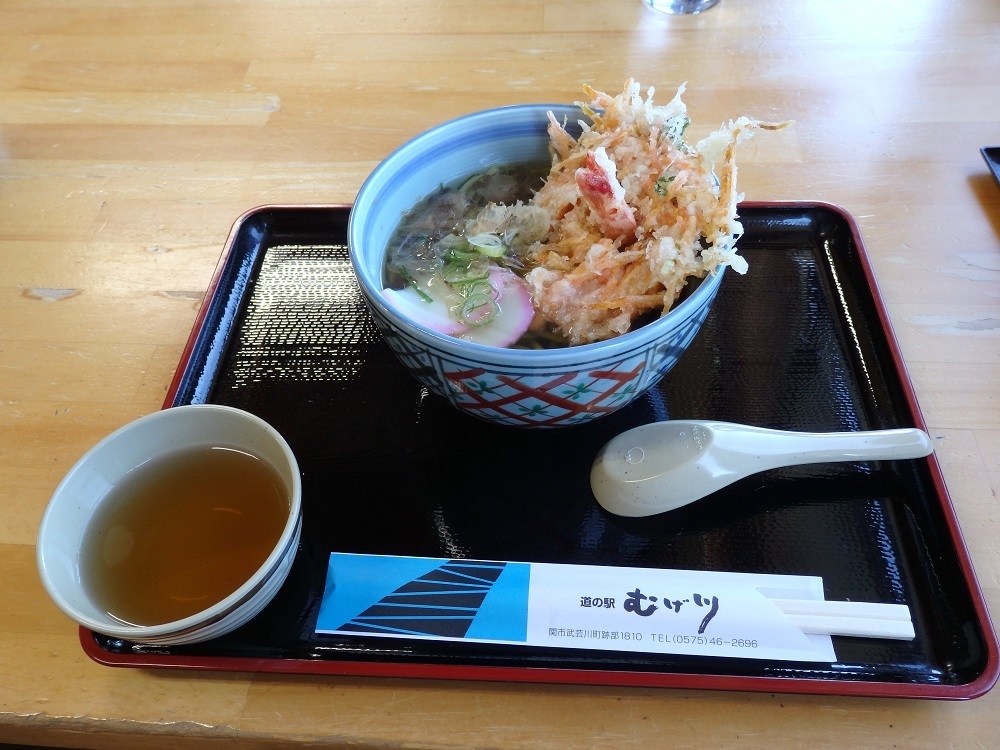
(526, 388)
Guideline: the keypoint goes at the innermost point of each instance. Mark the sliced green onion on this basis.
(480, 286)
(456, 258)
(451, 243)
(478, 310)
(412, 282)
(463, 273)
(488, 244)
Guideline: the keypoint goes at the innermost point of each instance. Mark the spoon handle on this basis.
(793, 448)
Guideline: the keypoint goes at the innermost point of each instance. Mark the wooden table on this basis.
(132, 134)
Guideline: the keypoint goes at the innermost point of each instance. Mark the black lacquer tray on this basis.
(801, 342)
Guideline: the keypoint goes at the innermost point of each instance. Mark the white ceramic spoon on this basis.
(666, 465)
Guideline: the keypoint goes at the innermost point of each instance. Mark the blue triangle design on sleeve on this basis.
(442, 602)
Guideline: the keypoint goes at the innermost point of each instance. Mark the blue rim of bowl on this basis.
(617, 346)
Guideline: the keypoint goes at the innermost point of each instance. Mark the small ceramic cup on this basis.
(519, 387)
(87, 485)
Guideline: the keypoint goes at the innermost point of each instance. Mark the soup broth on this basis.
(419, 244)
(180, 534)
(446, 211)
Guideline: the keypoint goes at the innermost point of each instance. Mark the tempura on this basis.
(635, 211)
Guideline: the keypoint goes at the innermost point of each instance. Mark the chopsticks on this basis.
(861, 619)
